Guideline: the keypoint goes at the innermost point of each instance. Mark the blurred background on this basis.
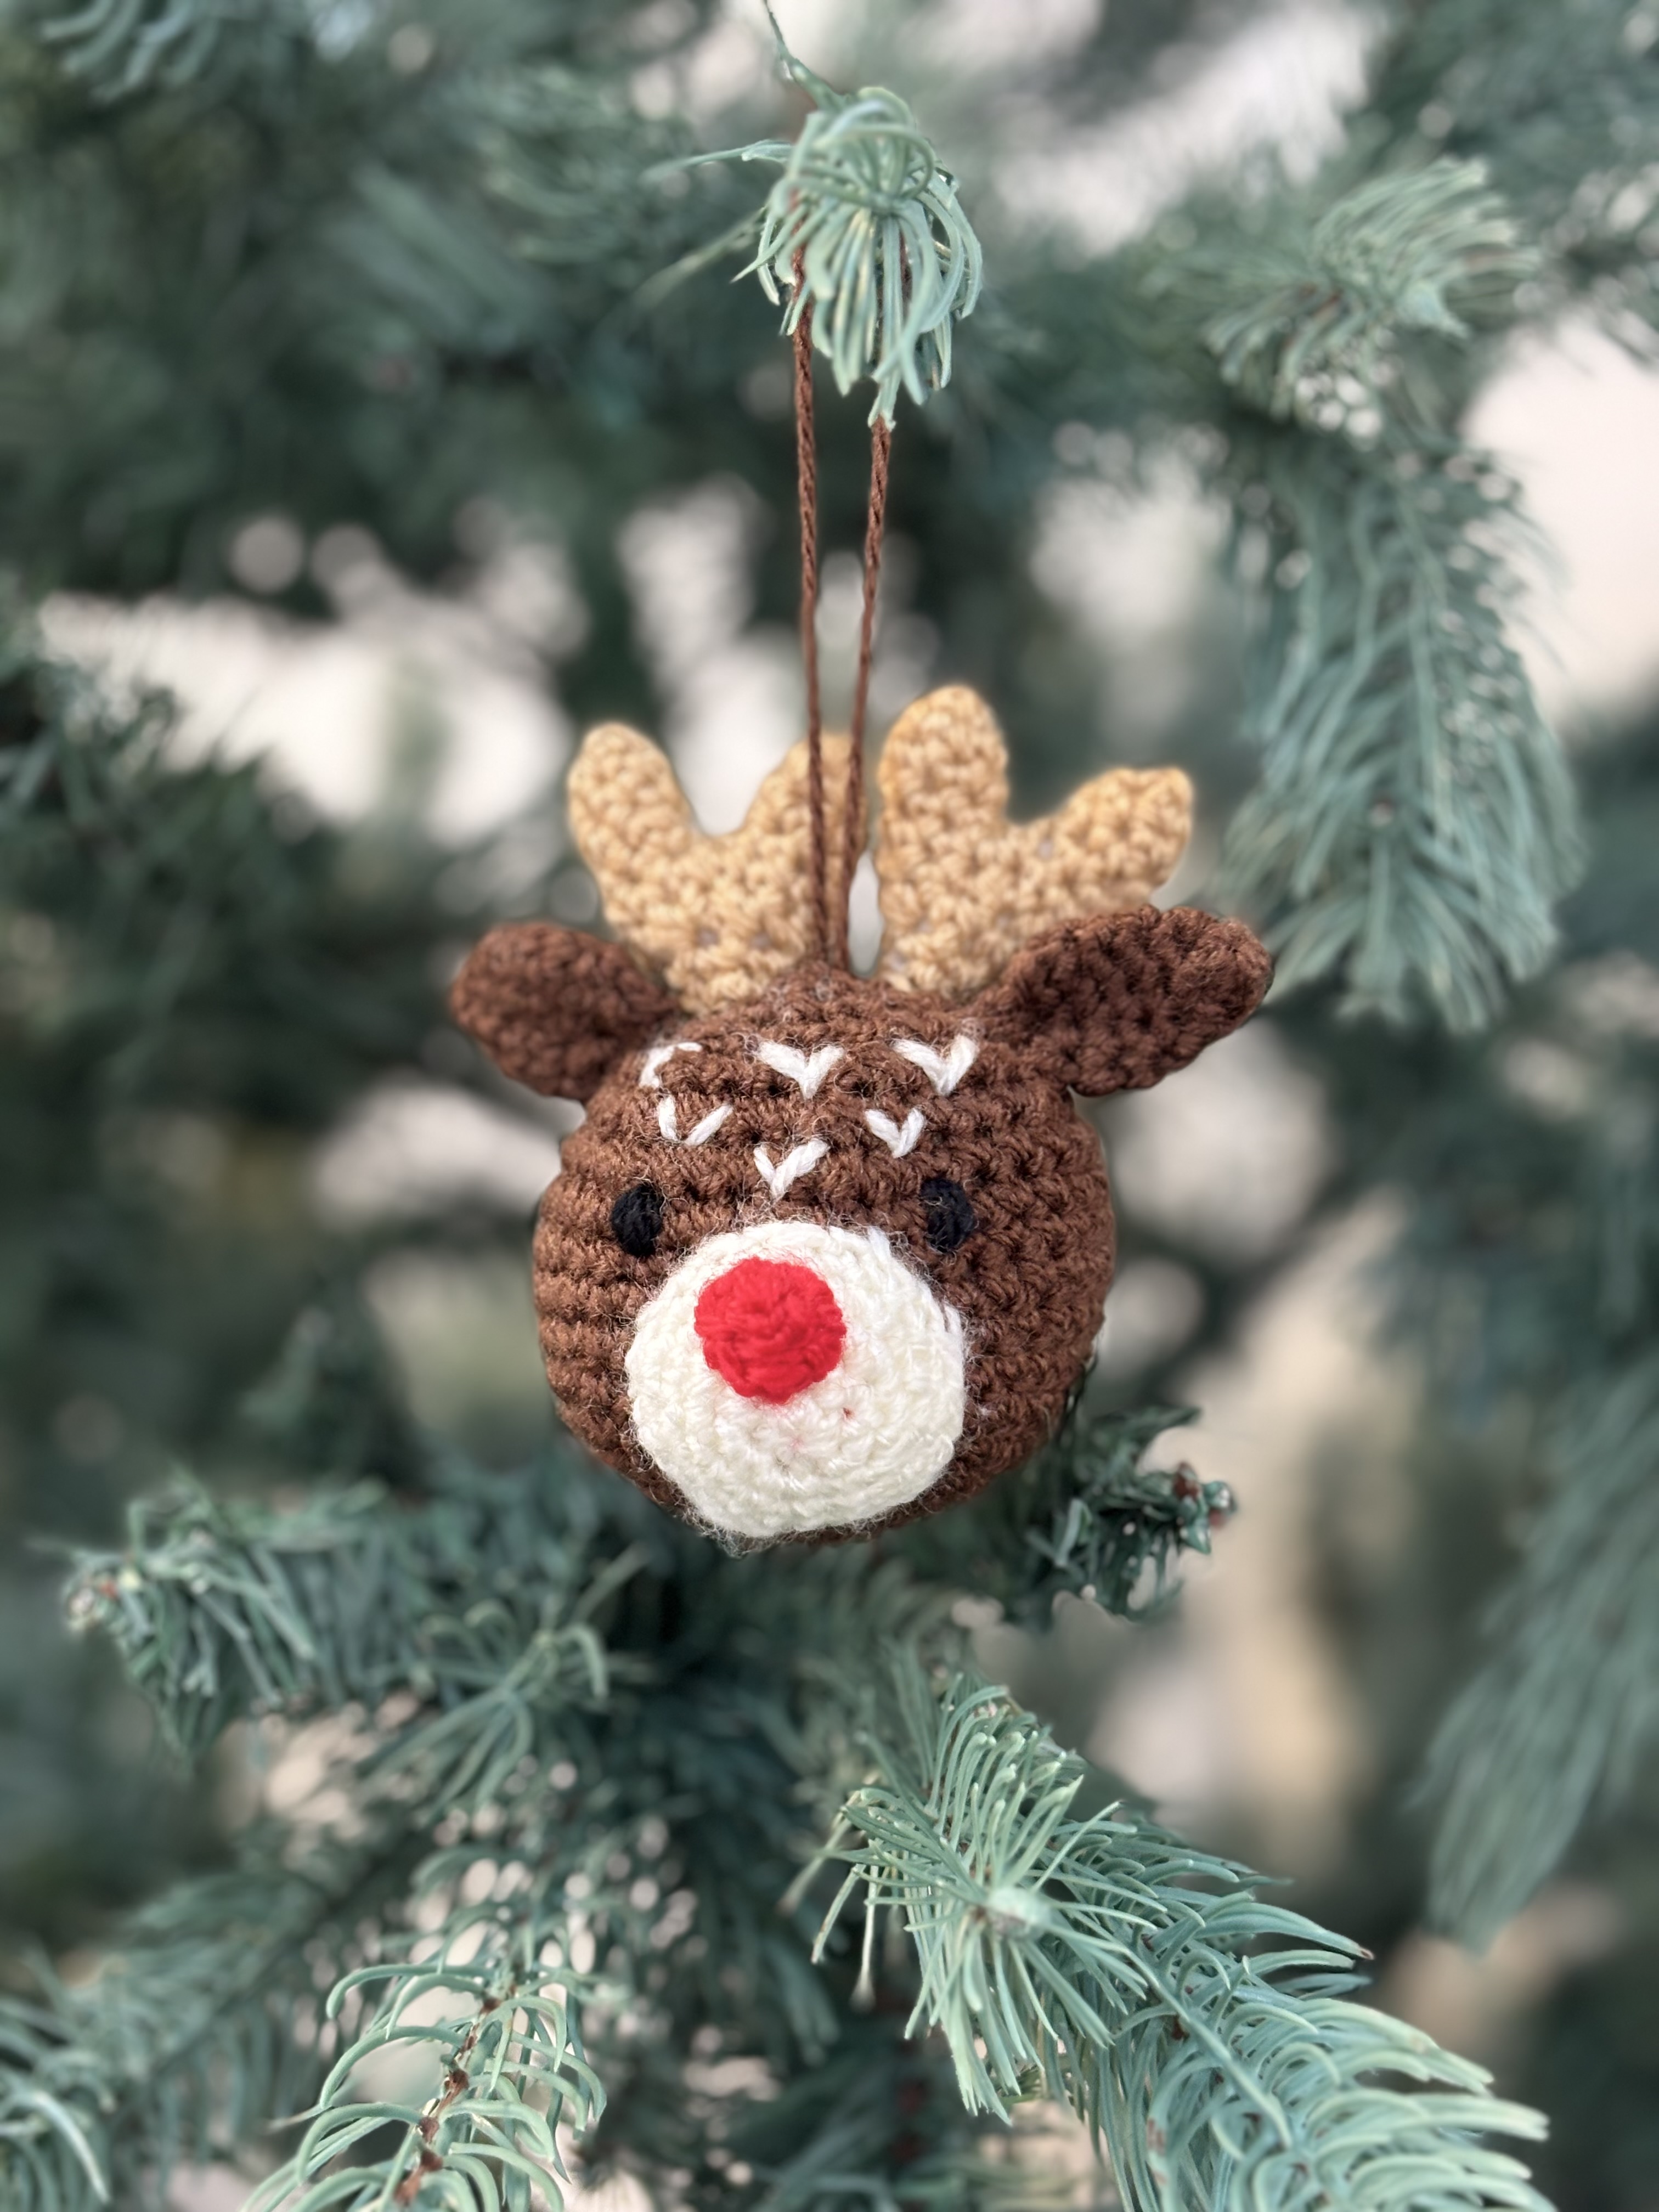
(260, 1195)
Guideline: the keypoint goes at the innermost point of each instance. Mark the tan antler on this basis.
(720, 918)
(962, 887)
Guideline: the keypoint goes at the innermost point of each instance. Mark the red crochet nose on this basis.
(770, 1328)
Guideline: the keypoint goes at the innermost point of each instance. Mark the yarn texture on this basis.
(1028, 1282)
(555, 1009)
(719, 917)
(848, 1449)
(962, 887)
(829, 1251)
(770, 1328)
(1120, 1000)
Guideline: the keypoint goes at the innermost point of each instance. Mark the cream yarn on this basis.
(719, 917)
(962, 887)
(874, 1433)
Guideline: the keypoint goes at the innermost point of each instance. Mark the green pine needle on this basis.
(1566, 1706)
(889, 261)
(494, 2003)
(1421, 252)
(1097, 1958)
(1116, 1529)
(483, 1614)
(202, 2026)
(1101, 1961)
(1416, 821)
(125, 46)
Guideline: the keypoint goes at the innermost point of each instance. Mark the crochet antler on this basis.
(720, 918)
(963, 887)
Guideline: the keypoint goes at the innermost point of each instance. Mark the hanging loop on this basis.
(807, 496)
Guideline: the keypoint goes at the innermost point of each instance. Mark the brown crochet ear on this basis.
(554, 1008)
(1117, 1001)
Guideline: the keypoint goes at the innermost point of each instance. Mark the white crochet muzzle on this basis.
(864, 1438)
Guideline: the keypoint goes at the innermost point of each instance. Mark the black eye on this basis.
(636, 1219)
(951, 1219)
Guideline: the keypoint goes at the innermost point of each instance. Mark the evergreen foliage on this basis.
(1116, 1529)
(1430, 252)
(512, 2074)
(117, 48)
(566, 1898)
(1411, 793)
(581, 1782)
(1112, 1966)
(234, 1613)
(425, 253)
(1526, 1274)
(888, 259)
(1567, 1703)
(203, 2023)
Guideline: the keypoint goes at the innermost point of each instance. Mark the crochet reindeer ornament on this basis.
(830, 1251)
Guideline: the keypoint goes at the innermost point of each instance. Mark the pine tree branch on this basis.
(507, 2034)
(1102, 1962)
(469, 1626)
(879, 2127)
(1085, 1518)
(208, 2024)
(1032, 1928)
(870, 2122)
(478, 1606)
(197, 930)
(1115, 1529)
(202, 2026)
(1415, 821)
(1524, 91)
(889, 262)
(120, 47)
(501, 226)
(1567, 1702)
(1314, 320)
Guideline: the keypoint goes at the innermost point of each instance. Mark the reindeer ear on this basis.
(1120, 1001)
(554, 1008)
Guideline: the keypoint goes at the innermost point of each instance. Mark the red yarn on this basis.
(770, 1328)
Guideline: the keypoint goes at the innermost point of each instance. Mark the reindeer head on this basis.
(829, 1252)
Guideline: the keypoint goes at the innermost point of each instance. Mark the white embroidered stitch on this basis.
(668, 1120)
(791, 1167)
(898, 1141)
(651, 1068)
(809, 1073)
(944, 1070)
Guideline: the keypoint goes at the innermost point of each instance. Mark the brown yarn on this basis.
(1118, 1001)
(1101, 1004)
(1030, 1283)
(881, 450)
(806, 498)
(554, 1008)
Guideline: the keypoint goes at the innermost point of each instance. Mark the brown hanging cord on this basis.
(881, 450)
(831, 937)
(806, 483)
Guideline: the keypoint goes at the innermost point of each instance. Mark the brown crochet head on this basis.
(829, 1251)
